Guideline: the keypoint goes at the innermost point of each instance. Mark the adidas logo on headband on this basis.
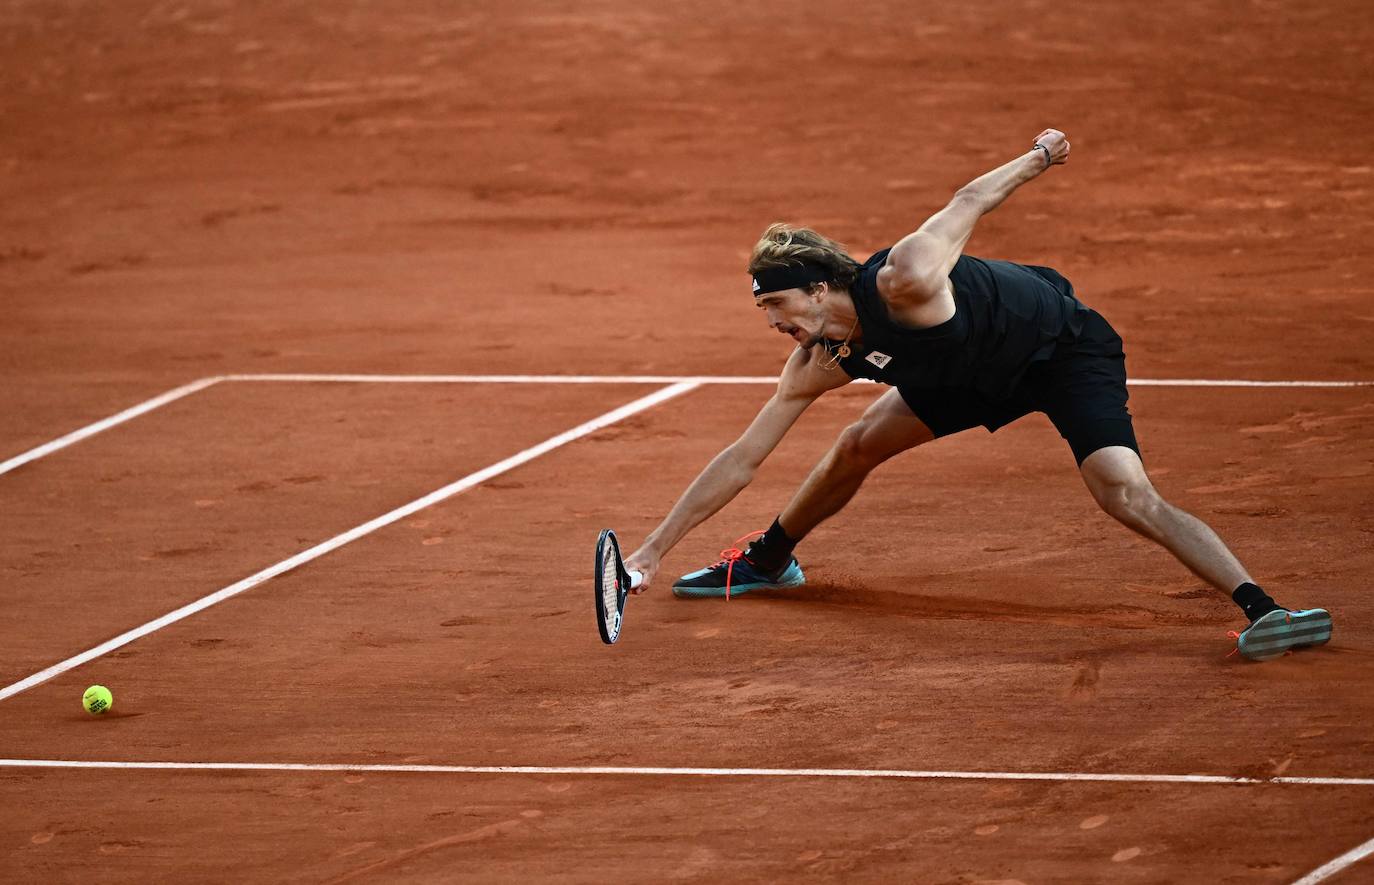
(776, 279)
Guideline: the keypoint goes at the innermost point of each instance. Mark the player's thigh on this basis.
(1083, 391)
(887, 427)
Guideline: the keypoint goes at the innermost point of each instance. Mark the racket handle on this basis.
(636, 578)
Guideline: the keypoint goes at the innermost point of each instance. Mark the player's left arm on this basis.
(917, 268)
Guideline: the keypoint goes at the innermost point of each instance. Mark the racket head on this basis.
(611, 586)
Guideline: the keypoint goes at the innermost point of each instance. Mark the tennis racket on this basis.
(613, 586)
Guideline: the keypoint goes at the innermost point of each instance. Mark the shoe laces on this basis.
(731, 555)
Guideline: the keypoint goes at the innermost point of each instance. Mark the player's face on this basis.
(795, 314)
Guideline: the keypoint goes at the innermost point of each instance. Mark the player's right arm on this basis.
(801, 382)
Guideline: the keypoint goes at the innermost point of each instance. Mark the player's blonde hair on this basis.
(785, 246)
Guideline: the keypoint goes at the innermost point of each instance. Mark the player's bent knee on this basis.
(1134, 503)
(852, 449)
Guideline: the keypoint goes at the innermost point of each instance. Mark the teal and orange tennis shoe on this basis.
(1279, 632)
(730, 577)
(737, 573)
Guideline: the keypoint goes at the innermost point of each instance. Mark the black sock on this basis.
(1254, 601)
(773, 550)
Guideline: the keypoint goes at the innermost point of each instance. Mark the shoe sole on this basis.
(736, 589)
(1278, 632)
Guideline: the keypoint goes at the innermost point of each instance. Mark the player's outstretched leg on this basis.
(886, 428)
(1118, 482)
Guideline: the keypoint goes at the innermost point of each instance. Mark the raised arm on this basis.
(917, 269)
(802, 381)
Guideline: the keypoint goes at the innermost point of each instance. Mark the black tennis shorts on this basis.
(1081, 387)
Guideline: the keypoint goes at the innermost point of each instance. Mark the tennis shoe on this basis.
(737, 575)
(1275, 634)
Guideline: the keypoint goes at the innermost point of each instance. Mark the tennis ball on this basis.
(97, 700)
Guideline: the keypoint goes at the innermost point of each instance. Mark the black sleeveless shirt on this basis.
(1006, 317)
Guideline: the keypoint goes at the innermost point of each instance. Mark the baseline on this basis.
(657, 771)
(351, 535)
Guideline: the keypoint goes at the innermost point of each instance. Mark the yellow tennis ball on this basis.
(97, 700)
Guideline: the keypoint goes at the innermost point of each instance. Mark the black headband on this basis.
(776, 279)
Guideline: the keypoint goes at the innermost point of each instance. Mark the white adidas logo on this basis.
(878, 358)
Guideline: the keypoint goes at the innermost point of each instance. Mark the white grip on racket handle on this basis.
(636, 578)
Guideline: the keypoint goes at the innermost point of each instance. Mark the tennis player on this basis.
(963, 342)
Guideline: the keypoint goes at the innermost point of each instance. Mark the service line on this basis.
(351, 535)
(186, 389)
(508, 379)
(711, 379)
(656, 771)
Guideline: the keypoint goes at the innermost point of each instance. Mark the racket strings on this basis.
(610, 587)
(731, 555)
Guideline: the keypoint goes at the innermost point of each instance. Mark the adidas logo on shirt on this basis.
(878, 358)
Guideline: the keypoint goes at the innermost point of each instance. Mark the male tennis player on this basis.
(963, 342)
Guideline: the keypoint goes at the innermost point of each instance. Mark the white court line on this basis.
(179, 392)
(714, 379)
(512, 379)
(353, 534)
(1236, 382)
(105, 424)
(1327, 870)
(637, 770)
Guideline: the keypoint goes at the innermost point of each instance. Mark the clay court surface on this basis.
(205, 190)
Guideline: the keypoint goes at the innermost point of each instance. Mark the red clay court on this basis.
(320, 324)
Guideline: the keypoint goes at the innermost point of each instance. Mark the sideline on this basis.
(1334, 866)
(105, 424)
(353, 534)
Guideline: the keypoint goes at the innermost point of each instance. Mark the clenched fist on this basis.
(1056, 143)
